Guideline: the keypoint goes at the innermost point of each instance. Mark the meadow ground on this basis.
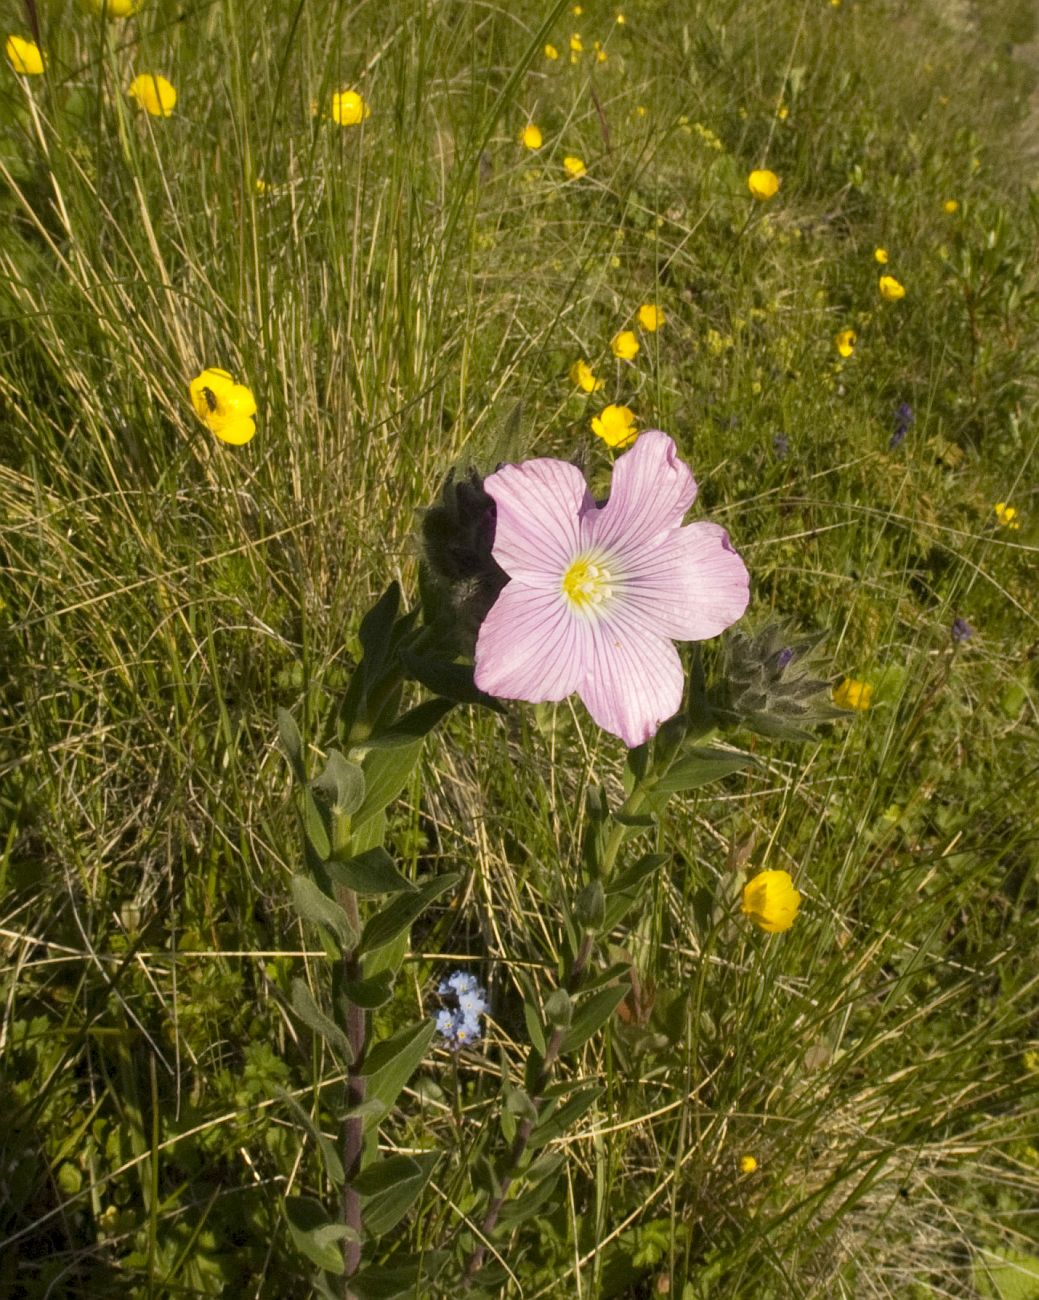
(847, 1108)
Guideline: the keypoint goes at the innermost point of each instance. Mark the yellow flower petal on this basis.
(852, 694)
(530, 137)
(615, 425)
(349, 108)
(845, 342)
(763, 184)
(25, 57)
(224, 407)
(624, 345)
(650, 317)
(574, 166)
(880, 255)
(582, 376)
(890, 289)
(771, 901)
(747, 1164)
(153, 93)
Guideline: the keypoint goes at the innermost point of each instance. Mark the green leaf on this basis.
(637, 821)
(341, 783)
(385, 773)
(372, 992)
(700, 767)
(315, 1235)
(534, 1030)
(390, 1064)
(636, 874)
(558, 1121)
(414, 726)
(592, 1014)
(372, 872)
(409, 1276)
(292, 744)
(527, 1203)
(396, 917)
(315, 826)
(376, 632)
(319, 909)
(559, 1009)
(590, 907)
(329, 1154)
(452, 681)
(387, 1204)
(311, 1014)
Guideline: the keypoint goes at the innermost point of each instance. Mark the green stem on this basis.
(527, 1125)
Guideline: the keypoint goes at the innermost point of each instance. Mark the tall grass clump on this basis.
(256, 813)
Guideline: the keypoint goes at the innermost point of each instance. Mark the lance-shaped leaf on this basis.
(315, 1235)
(701, 767)
(414, 726)
(390, 1064)
(319, 909)
(292, 744)
(371, 872)
(311, 1014)
(329, 1154)
(390, 1187)
(396, 917)
(592, 1014)
(372, 992)
(385, 773)
(452, 681)
(560, 1118)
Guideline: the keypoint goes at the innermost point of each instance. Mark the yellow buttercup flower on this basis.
(551, 52)
(763, 184)
(890, 289)
(581, 376)
(114, 8)
(224, 407)
(1006, 515)
(153, 93)
(624, 345)
(574, 166)
(747, 1164)
(577, 11)
(951, 207)
(771, 902)
(615, 425)
(845, 342)
(576, 44)
(530, 137)
(24, 57)
(650, 317)
(621, 19)
(852, 694)
(349, 108)
(880, 255)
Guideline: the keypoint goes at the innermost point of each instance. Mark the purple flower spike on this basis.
(596, 595)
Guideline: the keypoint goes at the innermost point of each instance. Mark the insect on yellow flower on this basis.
(574, 166)
(1006, 515)
(852, 694)
(25, 57)
(224, 407)
(582, 376)
(890, 289)
(650, 317)
(771, 901)
(747, 1164)
(530, 137)
(763, 184)
(615, 425)
(624, 345)
(153, 93)
(349, 108)
(551, 52)
(845, 342)
(880, 255)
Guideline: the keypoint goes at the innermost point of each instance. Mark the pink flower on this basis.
(596, 594)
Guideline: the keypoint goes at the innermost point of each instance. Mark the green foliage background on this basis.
(409, 294)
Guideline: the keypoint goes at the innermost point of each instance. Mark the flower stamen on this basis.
(587, 583)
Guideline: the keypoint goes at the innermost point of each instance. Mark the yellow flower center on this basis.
(587, 582)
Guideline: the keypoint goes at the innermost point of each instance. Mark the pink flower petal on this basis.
(531, 646)
(633, 680)
(691, 585)
(650, 493)
(539, 508)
